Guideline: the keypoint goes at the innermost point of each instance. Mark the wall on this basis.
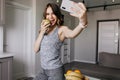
(24, 2)
(85, 43)
(25, 59)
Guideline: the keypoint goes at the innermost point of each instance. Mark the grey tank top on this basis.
(50, 51)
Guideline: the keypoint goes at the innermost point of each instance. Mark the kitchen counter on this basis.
(5, 54)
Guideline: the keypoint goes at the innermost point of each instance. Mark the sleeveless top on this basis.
(50, 51)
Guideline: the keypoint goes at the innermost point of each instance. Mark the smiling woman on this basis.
(50, 45)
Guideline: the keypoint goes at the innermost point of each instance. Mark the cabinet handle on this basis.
(65, 54)
(65, 49)
(65, 44)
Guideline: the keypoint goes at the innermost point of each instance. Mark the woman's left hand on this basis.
(79, 10)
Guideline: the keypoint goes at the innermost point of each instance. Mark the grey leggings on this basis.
(53, 74)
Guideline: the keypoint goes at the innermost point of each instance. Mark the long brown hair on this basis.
(56, 11)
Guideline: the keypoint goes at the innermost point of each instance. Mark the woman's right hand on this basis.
(80, 12)
(44, 26)
(42, 31)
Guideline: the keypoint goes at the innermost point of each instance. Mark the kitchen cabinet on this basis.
(6, 68)
(2, 12)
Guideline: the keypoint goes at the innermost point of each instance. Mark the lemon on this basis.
(69, 71)
(74, 75)
(77, 71)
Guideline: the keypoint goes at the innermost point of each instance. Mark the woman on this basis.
(51, 36)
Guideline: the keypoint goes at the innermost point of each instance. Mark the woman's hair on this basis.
(56, 11)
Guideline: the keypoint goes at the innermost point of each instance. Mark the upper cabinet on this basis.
(2, 12)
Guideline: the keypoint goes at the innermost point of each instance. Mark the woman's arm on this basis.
(44, 27)
(38, 42)
(79, 12)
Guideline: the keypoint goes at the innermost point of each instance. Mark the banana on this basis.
(69, 77)
(75, 75)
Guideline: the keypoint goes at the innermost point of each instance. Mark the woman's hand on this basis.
(44, 26)
(79, 10)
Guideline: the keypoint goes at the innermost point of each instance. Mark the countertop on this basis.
(5, 54)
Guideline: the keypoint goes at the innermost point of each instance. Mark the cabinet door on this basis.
(2, 11)
(65, 51)
(6, 69)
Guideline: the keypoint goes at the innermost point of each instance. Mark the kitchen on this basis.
(20, 26)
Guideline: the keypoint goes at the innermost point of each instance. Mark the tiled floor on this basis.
(92, 78)
(67, 66)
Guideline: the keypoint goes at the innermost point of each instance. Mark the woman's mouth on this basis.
(52, 22)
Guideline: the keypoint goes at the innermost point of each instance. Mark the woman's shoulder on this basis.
(61, 28)
(61, 31)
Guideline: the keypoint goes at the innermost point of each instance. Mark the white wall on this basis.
(85, 43)
(24, 2)
(25, 59)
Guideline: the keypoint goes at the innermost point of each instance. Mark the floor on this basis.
(67, 66)
(94, 71)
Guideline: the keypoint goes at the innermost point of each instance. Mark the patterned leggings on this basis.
(53, 74)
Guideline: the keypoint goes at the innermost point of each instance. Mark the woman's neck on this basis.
(51, 28)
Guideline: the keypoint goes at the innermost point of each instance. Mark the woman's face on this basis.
(51, 16)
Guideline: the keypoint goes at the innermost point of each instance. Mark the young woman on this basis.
(51, 36)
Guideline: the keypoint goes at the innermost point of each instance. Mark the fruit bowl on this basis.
(75, 75)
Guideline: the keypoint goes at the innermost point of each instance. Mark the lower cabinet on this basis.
(6, 68)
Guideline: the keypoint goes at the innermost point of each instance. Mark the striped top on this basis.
(50, 51)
